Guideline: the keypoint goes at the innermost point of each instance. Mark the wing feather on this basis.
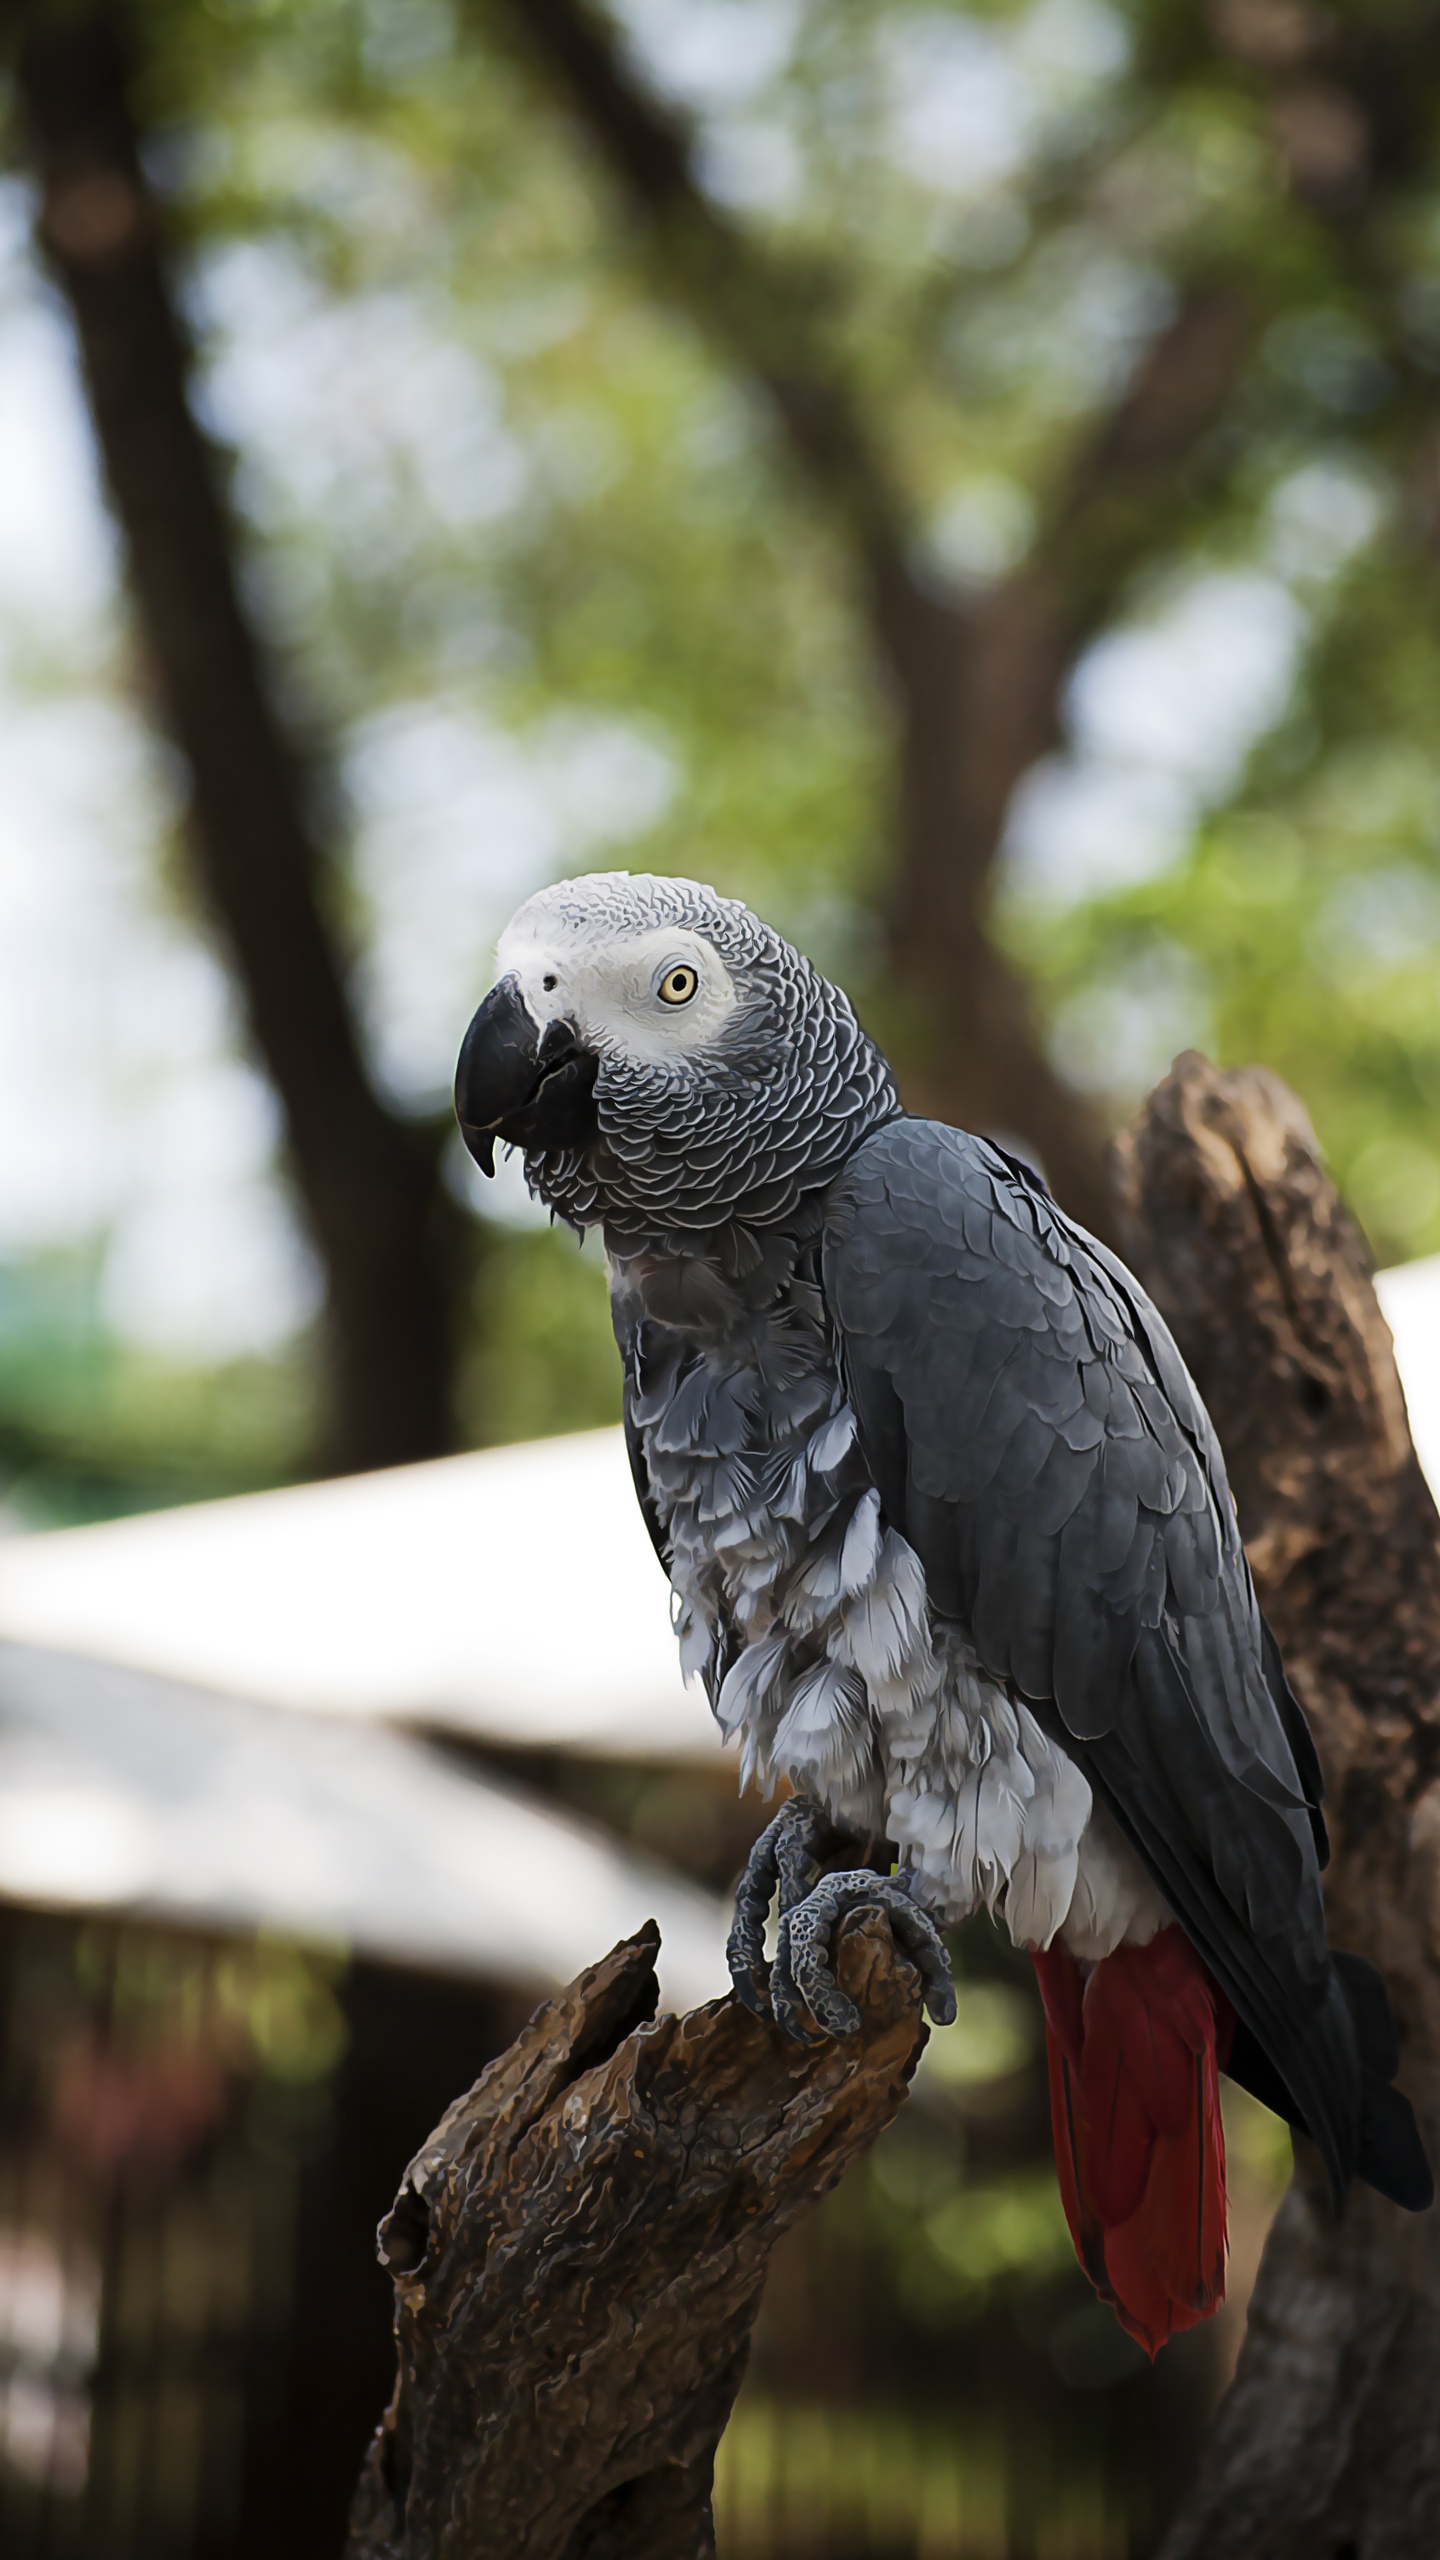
(1035, 1435)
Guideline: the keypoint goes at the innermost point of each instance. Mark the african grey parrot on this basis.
(952, 1549)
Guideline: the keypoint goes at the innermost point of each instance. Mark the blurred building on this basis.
(256, 1935)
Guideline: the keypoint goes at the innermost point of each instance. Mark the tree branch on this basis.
(383, 1224)
(1330, 2438)
(578, 2254)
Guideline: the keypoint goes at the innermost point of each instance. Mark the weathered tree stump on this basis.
(579, 2251)
(1328, 2445)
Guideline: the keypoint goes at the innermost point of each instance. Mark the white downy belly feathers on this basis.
(810, 1620)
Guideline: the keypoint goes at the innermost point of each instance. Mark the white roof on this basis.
(123, 1793)
(1410, 1303)
(512, 1595)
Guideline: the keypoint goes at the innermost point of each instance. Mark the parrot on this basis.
(951, 1547)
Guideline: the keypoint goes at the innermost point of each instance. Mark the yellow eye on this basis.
(678, 984)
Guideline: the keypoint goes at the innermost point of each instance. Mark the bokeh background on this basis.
(961, 477)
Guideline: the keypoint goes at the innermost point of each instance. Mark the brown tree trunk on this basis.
(385, 1230)
(1328, 2446)
(578, 2255)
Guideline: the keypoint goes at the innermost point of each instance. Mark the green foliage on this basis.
(497, 478)
(544, 1355)
(90, 1428)
(798, 2476)
(657, 563)
(1301, 928)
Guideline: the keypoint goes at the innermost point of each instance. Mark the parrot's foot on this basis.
(786, 1854)
(802, 1969)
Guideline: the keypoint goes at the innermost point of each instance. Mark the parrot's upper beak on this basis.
(515, 1082)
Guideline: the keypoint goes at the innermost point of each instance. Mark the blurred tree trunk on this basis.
(975, 686)
(1329, 2441)
(386, 1232)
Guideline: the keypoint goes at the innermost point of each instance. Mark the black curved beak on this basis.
(515, 1082)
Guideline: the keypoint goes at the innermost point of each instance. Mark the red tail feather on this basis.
(1134, 2046)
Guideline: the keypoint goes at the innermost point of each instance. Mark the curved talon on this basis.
(802, 1969)
(784, 1855)
(751, 1989)
(749, 1978)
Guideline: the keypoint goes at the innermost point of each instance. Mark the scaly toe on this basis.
(808, 1932)
(784, 1856)
(807, 1937)
(790, 2005)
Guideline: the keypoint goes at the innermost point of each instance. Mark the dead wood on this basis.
(1328, 2445)
(578, 2255)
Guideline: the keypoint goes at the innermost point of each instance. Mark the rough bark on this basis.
(1328, 2445)
(385, 1231)
(578, 2254)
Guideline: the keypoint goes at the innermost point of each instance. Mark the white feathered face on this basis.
(653, 996)
(665, 1059)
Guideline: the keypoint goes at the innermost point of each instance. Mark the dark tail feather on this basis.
(1388, 2154)
(1392, 2155)
(1135, 2111)
(1364, 1989)
(1299, 1737)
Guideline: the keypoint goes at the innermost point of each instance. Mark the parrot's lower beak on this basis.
(515, 1082)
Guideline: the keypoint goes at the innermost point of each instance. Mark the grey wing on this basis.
(627, 1342)
(1034, 1434)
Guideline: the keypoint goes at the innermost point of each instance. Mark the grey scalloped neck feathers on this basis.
(740, 1135)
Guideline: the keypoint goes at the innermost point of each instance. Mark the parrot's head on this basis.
(664, 1058)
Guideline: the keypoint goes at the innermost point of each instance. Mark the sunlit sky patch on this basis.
(1162, 716)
